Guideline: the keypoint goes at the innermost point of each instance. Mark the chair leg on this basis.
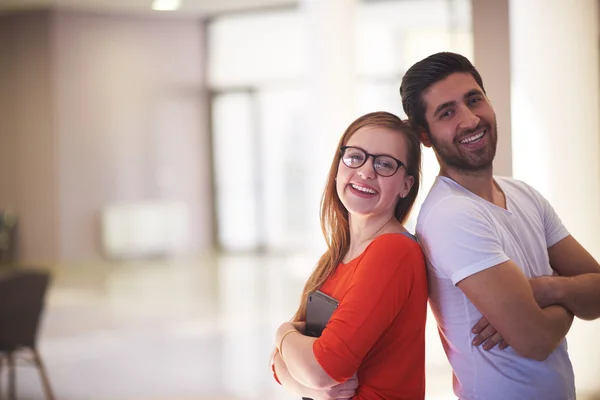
(12, 395)
(43, 375)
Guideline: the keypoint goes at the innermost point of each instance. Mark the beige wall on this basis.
(118, 107)
(27, 138)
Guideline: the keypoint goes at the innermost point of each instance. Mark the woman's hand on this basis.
(345, 390)
(300, 326)
(296, 351)
(285, 328)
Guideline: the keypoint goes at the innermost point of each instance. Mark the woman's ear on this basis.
(408, 184)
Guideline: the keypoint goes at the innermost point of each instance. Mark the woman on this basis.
(374, 344)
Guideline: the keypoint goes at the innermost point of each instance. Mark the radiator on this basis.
(145, 229)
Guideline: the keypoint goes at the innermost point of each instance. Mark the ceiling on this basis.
(197, 8)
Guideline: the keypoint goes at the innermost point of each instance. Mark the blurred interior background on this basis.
(166, 167)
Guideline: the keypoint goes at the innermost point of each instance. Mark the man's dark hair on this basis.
(423, 75)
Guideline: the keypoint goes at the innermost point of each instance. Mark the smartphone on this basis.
(319, 309)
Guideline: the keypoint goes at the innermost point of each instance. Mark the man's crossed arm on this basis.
(576, 290)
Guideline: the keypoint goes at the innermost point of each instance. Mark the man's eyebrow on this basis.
(443, 106)
(473, 92)
(470, 93)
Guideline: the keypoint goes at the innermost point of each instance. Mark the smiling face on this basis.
(361, 190)
(462, 124)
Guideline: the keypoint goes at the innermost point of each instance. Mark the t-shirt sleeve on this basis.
(459, 240)
(554, 229)
(381, 285)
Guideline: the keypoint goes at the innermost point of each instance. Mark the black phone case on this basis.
(319, 309)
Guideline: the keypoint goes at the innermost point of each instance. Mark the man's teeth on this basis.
(472, 138)
(363, 189)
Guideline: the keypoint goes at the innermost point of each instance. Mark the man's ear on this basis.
(424, 138)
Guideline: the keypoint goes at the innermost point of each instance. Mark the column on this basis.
(491, 56)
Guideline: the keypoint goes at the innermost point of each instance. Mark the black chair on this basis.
(8, 226)
(22, 295)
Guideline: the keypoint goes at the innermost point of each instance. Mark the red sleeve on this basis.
(275, 373)
(273, 367)
(379, 289)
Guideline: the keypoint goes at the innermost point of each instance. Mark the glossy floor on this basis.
(197, 330)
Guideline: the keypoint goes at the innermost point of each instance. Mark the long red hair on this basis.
(334, 216)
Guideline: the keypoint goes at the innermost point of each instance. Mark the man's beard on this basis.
(467, 161)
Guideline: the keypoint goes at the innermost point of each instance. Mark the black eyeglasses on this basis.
(384, 165)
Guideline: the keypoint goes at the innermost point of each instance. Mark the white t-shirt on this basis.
(462, 234)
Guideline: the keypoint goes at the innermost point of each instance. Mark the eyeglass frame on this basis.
(375, 156)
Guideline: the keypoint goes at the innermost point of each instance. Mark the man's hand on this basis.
(345, 390)
(488, 335)
(544, 290)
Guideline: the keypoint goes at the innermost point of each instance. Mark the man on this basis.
(493, 245)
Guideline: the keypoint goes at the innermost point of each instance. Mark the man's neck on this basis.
(480, 183)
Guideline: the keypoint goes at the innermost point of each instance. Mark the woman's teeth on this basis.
(363, 189)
